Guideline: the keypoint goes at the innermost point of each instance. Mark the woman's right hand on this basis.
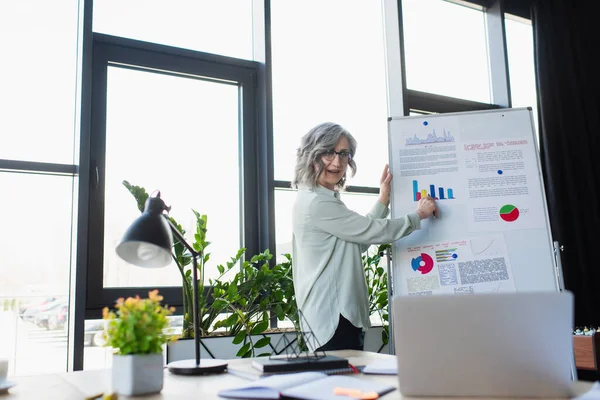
(427, 206)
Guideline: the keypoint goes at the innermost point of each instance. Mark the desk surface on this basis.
(78, 385)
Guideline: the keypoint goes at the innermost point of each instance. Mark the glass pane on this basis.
(35, 267)
(220, 27)
(446, 50)
(180, 136)
(95, 355)
(37, 96)
(331, 72)
(521, 65)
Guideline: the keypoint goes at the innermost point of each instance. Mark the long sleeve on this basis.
(332, 216)
(377, 211)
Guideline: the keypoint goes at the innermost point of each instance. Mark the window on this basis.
(220, 27)
(333, 71)
(170, 120)
(38, 177)
(37, 99)
(166, 99)
(35, 267)
(521, 66)
(188, 128)
(445, 49)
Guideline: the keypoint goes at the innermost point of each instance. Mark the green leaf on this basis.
(262, 342)
(260, 327)
(232, 291)
(279, 312)
(244, 350)
(239, 338)
(219, 304)
(278, 295)
(232, 319)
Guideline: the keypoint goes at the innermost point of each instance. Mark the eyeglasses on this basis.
(345, 157)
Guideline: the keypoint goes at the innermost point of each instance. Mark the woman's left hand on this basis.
(385, 186)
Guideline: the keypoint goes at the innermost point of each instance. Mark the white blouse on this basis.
(327, 243)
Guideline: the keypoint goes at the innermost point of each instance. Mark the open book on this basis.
(303, 385)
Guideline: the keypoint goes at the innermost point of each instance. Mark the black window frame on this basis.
(127, 53)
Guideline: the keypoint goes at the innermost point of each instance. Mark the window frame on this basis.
(110, 50)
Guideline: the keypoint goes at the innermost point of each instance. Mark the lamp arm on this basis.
(195, 255)
(180, 237)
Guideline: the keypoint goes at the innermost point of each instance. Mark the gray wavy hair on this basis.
(318, 140)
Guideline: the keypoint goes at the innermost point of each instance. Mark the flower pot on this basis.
(137, 374)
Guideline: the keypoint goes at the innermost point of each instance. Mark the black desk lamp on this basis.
(147, 243)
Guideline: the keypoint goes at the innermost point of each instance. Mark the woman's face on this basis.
(335, 169)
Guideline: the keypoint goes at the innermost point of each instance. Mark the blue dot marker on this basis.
(425, 123)
(499, 172)
(454, 255)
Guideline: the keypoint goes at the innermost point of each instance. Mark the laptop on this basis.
(487, 345)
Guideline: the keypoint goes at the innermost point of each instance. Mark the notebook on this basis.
(304, 385)
(488, 345)
(247, 371)
(310, 363)
(388, 366)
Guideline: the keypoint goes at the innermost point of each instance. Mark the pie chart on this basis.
(509, 213)
(422, 263)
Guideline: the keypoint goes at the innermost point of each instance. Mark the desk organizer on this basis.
(586, 351)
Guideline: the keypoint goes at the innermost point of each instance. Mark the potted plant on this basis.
(247, 297)
(135, 331)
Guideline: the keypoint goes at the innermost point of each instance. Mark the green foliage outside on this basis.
(9, 305)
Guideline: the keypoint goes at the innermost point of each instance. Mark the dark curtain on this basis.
(566, 41)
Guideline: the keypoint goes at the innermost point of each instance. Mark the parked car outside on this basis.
(53, 317)
(29, 309)
(31, 313)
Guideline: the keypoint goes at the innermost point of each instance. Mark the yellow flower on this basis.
(154, 296)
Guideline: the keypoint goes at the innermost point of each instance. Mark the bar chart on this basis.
(439, 194)
(446, 255)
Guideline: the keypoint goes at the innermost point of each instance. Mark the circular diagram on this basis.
(422, 263)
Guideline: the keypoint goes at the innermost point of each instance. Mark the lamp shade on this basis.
(147, 242)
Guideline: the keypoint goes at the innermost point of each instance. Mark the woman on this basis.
(328, 239)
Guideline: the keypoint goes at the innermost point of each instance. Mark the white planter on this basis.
(220, 347)
(137, 374)
(373, 341)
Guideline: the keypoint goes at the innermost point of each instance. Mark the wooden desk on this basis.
(78, 385)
